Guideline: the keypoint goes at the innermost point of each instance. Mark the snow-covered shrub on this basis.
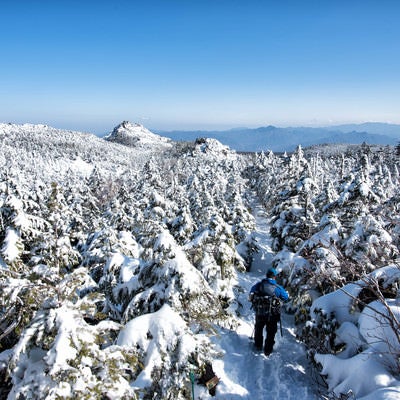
(365, 334)
(319, 334)
(95, 235)
(166, 340)
(380, 327)
(363, 376)
(168, 278)
(369, 243)
(60, 355)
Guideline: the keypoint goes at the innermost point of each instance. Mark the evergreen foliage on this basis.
(95, 234)
(93, 239)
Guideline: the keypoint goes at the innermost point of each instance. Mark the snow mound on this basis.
(136, 135)
(375, 327)
(373, 373)
(7, 129)
(212, 146)
(362, 374)
(157, 335)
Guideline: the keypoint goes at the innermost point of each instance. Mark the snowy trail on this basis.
(246, 374)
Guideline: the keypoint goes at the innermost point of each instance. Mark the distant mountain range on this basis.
(287, 139)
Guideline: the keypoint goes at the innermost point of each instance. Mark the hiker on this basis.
(266, 297)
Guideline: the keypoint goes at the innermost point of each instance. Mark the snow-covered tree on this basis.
(121, 259)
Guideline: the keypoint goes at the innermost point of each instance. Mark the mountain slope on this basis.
(377, 128)
(136, 135)
(124, 270)
(95, 234)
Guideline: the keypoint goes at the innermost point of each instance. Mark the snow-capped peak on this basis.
(134, 134)
(213, 146)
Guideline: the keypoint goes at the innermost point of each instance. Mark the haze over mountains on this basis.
(287, 139)
(277, 139)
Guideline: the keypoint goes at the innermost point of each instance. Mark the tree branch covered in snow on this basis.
(120, 259)
(92, 240)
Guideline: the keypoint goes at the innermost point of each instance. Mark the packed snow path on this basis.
(247, 374)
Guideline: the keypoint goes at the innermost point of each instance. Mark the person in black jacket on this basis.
(266, 296)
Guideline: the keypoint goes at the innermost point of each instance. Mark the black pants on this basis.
(271, 324)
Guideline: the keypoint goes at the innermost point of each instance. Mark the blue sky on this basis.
(188, 64)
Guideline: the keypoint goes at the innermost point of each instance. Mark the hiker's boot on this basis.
(269, 345)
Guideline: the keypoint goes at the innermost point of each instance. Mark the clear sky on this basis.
(199, 64)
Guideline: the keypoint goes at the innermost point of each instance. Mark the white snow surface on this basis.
(372, 373)
(248, 374)
(10, 247)
(137, 135)
(287, 374)
(243, 372)
(363, 374)
(155, 334)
